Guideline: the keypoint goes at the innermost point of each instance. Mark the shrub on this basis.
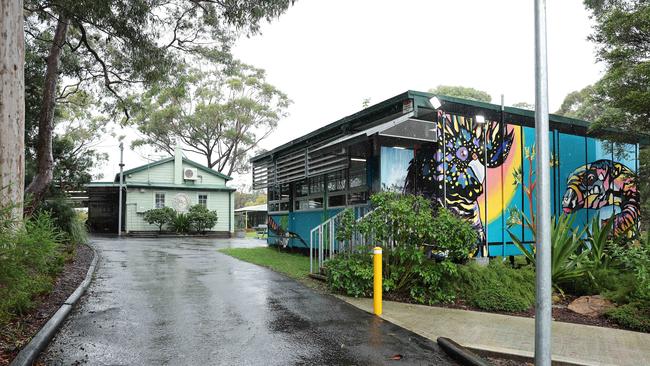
(66, 219)
(160, 216)
(497, 287)
(434, 283)
(181, 223)
(398, 219)
(30, 256)
(635, 316)
(201, 218)
(351, 275)
(569, 256)
(453, 236)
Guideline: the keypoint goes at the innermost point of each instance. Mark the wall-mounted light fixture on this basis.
(435, 102)
(480, 119)
(358, 159)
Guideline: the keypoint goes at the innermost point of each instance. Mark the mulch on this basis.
(20, 331)
(560, 311)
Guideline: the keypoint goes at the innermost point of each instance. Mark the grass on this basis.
(253, 235)
(291, 264)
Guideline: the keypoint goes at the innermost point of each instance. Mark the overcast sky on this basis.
(328, 56)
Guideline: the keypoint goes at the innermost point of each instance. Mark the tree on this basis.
(114, 45)
(622, 35)
(12, 107)
(462, 92)
(582, 104)
(524, 105)
(220, 114)
(202, 218)
(160, 216)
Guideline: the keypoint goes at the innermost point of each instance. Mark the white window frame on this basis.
(198, 199)
(155, 199)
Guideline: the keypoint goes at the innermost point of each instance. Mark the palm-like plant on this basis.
(599, 237)
(568, 260)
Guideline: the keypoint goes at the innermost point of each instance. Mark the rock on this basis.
(591, 306)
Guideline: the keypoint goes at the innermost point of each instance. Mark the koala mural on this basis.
(464, 161)
(607, 186)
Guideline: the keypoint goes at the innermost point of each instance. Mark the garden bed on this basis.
(560, 311)
(19, 331)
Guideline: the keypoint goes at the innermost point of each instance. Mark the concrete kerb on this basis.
(28, 355)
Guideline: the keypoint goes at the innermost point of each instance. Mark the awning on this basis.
(404, 126)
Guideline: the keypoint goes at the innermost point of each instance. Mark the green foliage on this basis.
(30, 257)
(433, 282)
(453, 235)
(398, 219)
(180, 223)
(635, 316)
(462, 92)
(201, 218)
(236, 101)
(497, 287)
(406, 273)
(291, 264)
(347, 225)
(568, 259)
(599, 240)
(635, 259)
(160, 216)
(351, 275)
(66, 219)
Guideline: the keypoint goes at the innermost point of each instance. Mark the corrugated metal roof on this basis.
(421, 100)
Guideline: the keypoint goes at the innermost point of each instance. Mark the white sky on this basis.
(328, 56)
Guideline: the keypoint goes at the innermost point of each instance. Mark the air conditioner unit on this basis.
(190, 174)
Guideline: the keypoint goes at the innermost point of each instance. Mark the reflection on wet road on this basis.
(180, 302)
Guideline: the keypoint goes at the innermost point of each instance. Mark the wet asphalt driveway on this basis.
(180, 302)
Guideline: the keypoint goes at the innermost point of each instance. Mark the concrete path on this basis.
(181, 302)
(572, 343)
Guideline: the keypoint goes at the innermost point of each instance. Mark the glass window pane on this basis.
(394, 167)
(336, 201)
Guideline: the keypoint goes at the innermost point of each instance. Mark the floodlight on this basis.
(480, 119)
(435, 102)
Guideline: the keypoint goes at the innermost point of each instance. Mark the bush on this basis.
(181, 223)
(66, 219)
(351, 275)
(407, 273)
(160, 216)
(201, 218)
(635, 316)
(497, 287)
(30, 257)
(453, 236)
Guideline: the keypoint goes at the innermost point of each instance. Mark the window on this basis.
(203, 200)
(160, 200)
(279, 197)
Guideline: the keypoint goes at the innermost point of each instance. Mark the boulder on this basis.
(592, 306)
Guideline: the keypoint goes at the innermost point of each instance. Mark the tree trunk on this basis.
(12, 106)
(44, 160)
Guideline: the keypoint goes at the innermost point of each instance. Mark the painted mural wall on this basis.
(486, 170)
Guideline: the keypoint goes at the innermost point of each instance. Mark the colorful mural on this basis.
(470, 150)
(587, 178)
(607, 186)
(279, 232)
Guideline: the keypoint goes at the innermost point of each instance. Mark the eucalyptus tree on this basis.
(109, 46)
(222, 114)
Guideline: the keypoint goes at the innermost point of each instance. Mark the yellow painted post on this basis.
(377, 288)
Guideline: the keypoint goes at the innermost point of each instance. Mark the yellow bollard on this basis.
(377, 288)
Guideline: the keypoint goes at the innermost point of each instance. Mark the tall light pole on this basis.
(119, 205)
(543, 237)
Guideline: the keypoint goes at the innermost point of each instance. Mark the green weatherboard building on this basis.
(175, 182)
(459, 153)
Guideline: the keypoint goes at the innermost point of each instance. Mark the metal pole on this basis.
(543, 237)
(503, 134)
(486, 249)
(119, 205)
(444, 159)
